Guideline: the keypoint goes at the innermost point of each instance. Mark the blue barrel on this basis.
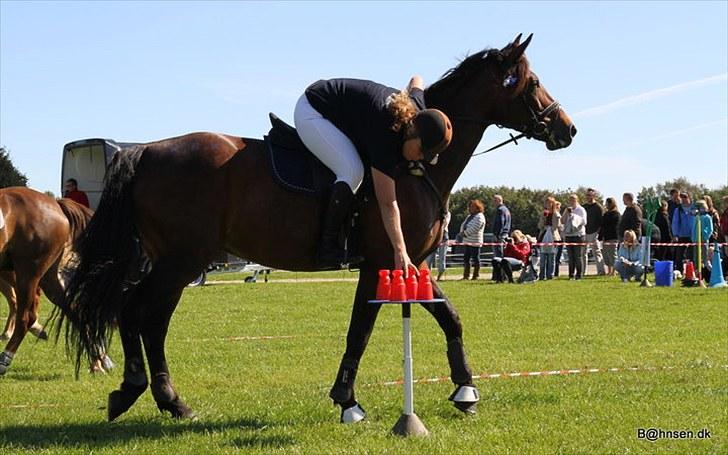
(663, 273)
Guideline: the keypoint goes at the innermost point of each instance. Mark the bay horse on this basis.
(185, 198)
(37, 234)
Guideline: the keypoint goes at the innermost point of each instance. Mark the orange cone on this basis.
(690, 279)
(384, 286)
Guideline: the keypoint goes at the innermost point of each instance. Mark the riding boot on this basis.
(476, 271)
(507, 270)
(466, 271)
(331, 254)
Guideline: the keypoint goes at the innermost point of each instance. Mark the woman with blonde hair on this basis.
(629, 261)
(515, 255)
(471, 232)
(352, 123)
(548, 227)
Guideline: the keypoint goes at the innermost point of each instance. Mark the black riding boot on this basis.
(331, 254)
(507, 270)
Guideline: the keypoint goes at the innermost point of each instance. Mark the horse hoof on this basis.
(353, 414)
(121, 400)
(5, 359)
(465, 398)
(107, 363)
(43, 335)
(177, 409)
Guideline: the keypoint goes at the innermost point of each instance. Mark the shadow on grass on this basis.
(103, 434)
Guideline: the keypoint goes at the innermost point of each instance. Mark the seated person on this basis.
(629, 257)
(514, 257)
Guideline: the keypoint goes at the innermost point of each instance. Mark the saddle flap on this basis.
(283, 134)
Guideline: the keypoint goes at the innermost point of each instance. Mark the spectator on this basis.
(682, 229)
(441, 250)
(501, 225)
(574, 235)
(594, 212)
(471, 232)
(548, 225)
(515, 254)
(662, 221)
(715, 217)
(673, 203)
(706, 230)
(608, 234)
(631, 217)
(560, 246)
(72, 192)
(724, 234)
(629, 262)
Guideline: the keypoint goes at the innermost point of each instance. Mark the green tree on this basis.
(9, 175)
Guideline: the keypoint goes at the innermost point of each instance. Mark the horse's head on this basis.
(497, 86)
(521, 102)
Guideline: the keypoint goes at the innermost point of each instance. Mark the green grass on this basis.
(270, 396)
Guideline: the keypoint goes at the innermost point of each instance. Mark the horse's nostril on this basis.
(572, 130)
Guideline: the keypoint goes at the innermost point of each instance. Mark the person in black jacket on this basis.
(608, 235)
(631, 217)
(662, 221)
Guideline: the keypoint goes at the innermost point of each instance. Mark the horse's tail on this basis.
(95, 293)
(78, 217)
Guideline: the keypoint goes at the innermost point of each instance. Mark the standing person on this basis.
(715, 216)
(608, 234)
(441, 250)
(629, 263)
(501, 225)
(352, 123)
(560, 246)
(548, 225)
(71, 191)
(631, 217)
(594, 212)
(682, 229)
(471, 232)
(724, 234)
(574, 235)
(662, 221)
(673, 203)
(706, 231)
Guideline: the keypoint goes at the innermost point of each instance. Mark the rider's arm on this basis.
(385, 190)
(416, 82)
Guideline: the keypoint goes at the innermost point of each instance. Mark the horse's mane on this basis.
(78, 216)
(471, 64)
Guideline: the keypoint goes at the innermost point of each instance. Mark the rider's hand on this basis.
(403, 262)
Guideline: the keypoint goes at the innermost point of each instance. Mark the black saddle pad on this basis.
(292, 165)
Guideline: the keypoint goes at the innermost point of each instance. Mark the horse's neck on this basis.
(467, 135)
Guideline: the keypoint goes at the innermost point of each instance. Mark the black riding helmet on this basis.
(435, 132)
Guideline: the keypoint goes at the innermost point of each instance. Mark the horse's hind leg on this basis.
(28, 299)
(159, 294)
(363, 316)
(465, 397)
(135, 375)
(8, 291)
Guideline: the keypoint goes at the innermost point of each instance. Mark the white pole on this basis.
(409, 405)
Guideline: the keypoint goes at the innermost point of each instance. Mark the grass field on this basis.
(270, 395)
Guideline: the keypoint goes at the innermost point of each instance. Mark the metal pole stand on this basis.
(408, 424)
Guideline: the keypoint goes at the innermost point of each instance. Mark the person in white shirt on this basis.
(574, 236)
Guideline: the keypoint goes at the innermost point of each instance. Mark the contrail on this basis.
(649, 96)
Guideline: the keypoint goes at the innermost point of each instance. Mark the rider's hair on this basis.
(402, 108)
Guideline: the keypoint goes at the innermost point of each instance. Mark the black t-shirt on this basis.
(359, 109)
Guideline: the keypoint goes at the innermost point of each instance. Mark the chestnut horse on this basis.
(37, 234)
(187, 197)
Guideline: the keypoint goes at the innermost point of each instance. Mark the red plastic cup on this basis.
(384, 286)
(424, 291)
(412, 287)
(399, 291)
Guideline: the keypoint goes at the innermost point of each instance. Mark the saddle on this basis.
(292, 165)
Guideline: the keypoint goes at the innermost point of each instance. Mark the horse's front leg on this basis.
(363, 316)
(9, 292)
(466, 396)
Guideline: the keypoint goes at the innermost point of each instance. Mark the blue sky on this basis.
(646, 83)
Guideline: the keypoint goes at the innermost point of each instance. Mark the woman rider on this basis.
(352, 123)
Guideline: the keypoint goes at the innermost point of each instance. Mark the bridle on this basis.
(538, 128)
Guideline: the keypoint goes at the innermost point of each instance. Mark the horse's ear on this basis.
(515, 50)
